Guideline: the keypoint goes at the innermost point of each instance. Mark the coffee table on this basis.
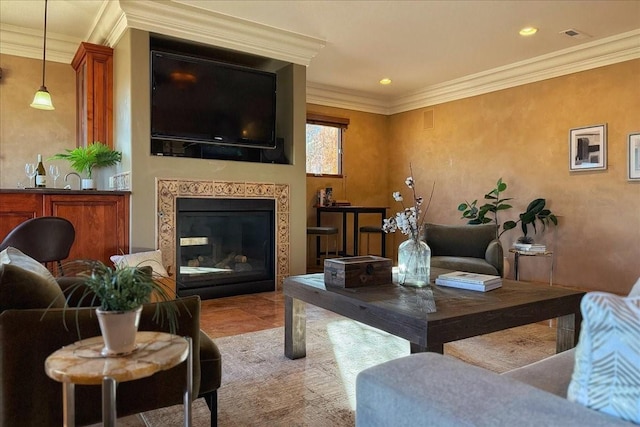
(409, 313)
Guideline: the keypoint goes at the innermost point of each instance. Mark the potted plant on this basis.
(118, 294)
(482, 215)
(85, 159)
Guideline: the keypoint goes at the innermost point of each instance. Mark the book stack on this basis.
(530, 247)
(469, 281)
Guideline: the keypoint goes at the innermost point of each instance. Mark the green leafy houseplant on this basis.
(120, 289)
(85, 159)
(489, 213)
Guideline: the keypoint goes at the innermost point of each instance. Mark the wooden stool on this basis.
(326, 232)
(368, 230)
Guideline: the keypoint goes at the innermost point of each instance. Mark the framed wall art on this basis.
(588, 148)
(633, 161)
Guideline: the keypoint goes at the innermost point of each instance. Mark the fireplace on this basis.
(224, 246)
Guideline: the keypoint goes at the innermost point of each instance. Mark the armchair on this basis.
(28, 335)
(472, 248)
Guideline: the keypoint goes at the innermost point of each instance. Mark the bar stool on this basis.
(326, 232)
(368, 230)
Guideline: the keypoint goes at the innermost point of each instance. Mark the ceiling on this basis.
(428, 48)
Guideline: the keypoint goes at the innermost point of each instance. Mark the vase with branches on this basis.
(414, 255)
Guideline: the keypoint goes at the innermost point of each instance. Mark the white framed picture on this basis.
(588, 148)
(633, 162)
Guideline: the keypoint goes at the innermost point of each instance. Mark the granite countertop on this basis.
(60, 191)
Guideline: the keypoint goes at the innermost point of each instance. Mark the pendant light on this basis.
(42, 99)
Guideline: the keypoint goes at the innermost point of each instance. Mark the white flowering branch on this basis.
(410, 220)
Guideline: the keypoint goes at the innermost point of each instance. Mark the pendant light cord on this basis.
(44, 47)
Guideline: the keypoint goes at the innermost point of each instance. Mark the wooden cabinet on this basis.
(101, 218)
(94, 94)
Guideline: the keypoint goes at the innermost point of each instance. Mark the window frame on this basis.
(341, 123)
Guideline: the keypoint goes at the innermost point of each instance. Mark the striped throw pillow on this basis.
(606, 376)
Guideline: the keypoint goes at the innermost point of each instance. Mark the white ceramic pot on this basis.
(88, 184)
(119, 331)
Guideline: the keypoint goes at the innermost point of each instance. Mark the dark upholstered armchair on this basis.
(28, 397)
(472, 248)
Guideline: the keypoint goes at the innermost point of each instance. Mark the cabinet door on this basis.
(94, 94)
(101, 223)
(16, 208)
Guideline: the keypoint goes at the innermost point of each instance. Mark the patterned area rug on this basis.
(260, 386)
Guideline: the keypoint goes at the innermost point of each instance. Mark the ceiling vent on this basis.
(575, 34)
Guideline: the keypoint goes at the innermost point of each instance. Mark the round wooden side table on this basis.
(83, 363)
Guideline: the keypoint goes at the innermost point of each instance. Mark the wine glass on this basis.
(55, 173)
(30, 170)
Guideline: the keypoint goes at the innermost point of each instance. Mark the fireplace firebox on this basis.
(225, 247)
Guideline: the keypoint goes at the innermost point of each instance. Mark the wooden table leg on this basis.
(432, 347)
(68, 405)
(568, 332)
(295, 328)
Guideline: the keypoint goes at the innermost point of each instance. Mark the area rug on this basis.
(260, 386)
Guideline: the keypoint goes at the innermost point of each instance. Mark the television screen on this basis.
(195, 99)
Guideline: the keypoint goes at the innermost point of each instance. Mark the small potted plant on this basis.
(118, 294)
(85, 159)
(480, 215)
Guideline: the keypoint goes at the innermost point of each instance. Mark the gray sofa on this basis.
(472, 248)
(429, 389)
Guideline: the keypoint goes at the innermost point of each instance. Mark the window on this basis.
(324, 144)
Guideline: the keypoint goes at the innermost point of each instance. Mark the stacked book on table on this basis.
(530, 247)
(469, 281)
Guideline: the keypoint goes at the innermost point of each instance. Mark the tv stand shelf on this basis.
(199, 150)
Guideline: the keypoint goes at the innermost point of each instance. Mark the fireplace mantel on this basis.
(167, 190)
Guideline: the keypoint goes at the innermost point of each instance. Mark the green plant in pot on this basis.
(85, 159)
(535, 212)
(118, 294)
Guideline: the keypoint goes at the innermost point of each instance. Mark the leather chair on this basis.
(45, 239)
(472, 248)
(28, 336)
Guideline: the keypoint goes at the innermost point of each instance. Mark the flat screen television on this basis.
(200, 100)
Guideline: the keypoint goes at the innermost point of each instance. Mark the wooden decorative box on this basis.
(352, 272)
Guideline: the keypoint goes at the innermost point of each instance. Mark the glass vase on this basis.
(414, 263)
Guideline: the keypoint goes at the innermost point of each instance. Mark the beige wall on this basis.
(365, 168)
(131, 104)
(521, 135)
(26, 132)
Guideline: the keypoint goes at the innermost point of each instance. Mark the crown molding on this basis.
(332, 96)
(27, 43)
(172, 19)
(109, 25)
(200, 25)
(599, 53)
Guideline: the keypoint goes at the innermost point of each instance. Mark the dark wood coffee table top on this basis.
(410, 313)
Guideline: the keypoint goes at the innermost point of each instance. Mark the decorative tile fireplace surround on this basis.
(167, 190)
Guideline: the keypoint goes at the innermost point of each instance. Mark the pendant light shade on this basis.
(42, 99)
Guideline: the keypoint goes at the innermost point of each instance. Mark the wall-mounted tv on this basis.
(200, 100)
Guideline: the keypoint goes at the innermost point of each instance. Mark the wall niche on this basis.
(222, 124)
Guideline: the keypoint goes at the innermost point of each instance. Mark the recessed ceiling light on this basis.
(385, 81)
(528, 31)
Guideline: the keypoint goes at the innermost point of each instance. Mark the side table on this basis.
(82, 363)
(518, 253)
